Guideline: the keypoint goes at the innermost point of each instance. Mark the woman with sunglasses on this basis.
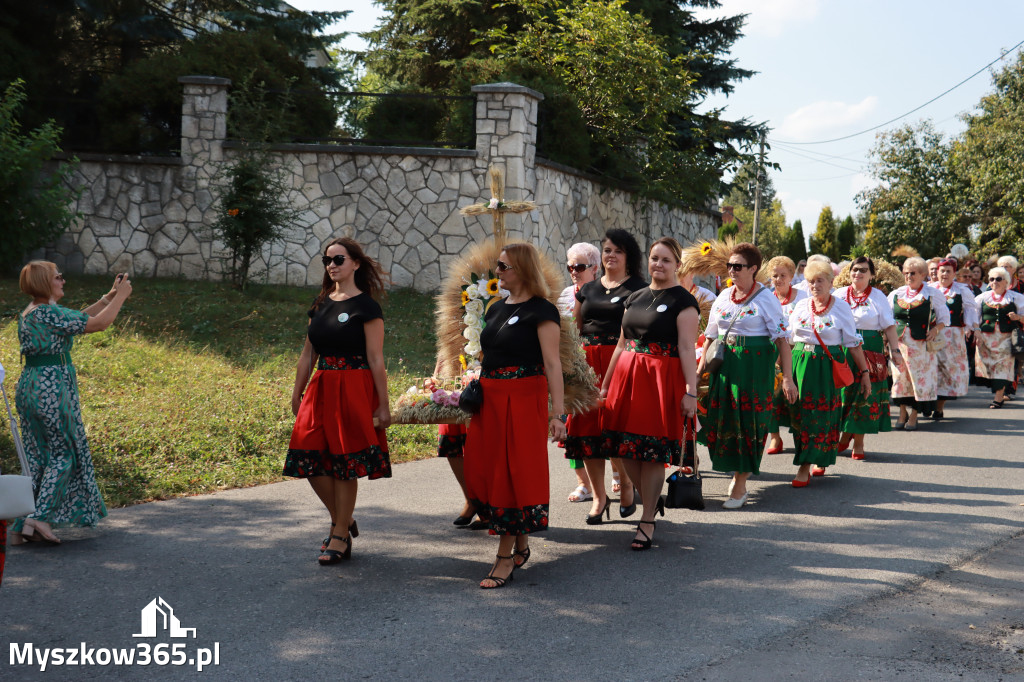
(506, 453)
(921, 314)
(342, 411)
(740, 401)
(651, 383)
(781, 271)
(49, 408)
(823, 331)
(868, 414)
(1000, 310)
(598, 312)
(954, 370)
(582, 261)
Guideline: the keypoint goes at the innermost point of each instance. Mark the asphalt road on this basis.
(903, 566)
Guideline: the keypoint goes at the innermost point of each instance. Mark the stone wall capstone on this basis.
(151, 216)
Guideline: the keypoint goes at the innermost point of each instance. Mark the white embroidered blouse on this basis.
(972, 309)
(1010, 295)
(795, 296)
(761, 316)
(938, 301)
(872, 314)
(836, 327)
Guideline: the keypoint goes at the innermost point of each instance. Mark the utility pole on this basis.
(757, 189)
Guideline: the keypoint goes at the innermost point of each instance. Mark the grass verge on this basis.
(189, 391)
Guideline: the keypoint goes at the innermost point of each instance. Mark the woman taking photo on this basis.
(335, 440)
(921, 315)
(50, 412)
(741, 405)
(651, 384)
(1000, 315)
(781, 270)
(506, 453)
(599, 308)
(823, 328)
(875, 324)
(954, 370)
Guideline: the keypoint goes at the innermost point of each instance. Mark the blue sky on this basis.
(828, 68)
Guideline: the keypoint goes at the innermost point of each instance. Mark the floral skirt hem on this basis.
(450, 446)
(643, 448)
(372, 463)
(510, 521)
(586, 447)
(817, 414)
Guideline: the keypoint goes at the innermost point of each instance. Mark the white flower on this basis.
(475, 308)
(412, 389)
(473, 347)
(474, 323)
(493, 203)
(481, 288)
(472, 335)
(503, 292)
(474, 292)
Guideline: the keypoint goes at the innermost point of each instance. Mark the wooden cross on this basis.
(497, 206)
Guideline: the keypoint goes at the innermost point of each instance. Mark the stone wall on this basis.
(151, 216)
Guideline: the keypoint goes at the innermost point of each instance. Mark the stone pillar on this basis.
(506, 136)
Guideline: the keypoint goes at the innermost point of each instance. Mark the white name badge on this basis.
(513, 319)
(343, 318)
(662, 308)
(616, 299)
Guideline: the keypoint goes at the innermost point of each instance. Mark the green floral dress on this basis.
(51, 423)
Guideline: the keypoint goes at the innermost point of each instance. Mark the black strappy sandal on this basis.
(499, 582)
(525, 554)
(333, 556)
(353, 530)
(995, 404)
(641, 545)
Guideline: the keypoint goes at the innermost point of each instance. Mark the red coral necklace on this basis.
(814, 308)
(857, 300)
(736, 288)
(788, 298)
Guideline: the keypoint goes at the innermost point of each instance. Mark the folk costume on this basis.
(601, 311)
(644, 421)
(451, 439)
(59, 460)
(783, 410)
(872, 315)
(954, 371)
(740, 400)
(817, 419)
(333, 433)
(994, 363)
(916, 384)
(506, 462)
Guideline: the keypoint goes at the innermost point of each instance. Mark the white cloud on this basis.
(804, 210)
(769, 18)
(824, 119)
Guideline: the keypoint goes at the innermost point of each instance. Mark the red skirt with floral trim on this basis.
(451, 440)
(584, 432)
(506, 450)
(333, 433)
(645, 420)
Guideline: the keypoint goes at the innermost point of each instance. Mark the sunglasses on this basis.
(736, 266)
(578, 268)
(861, 271)
(995, 279)
(337, 260)
(502, 266)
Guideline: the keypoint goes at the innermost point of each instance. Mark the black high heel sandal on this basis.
(595, 519)
(660, 507)
(626, 512)
(333, 556)
(353, 530)
(499, 582)
(641, 545)
(525, 554)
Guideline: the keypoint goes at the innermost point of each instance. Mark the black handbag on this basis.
(472, 397)
(686, 491)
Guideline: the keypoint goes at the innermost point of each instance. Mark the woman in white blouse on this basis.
(1000, 311)
(823, 329)
(954, 372)
(921, 315)
(873, 316)
(781, 270)
(740, 404)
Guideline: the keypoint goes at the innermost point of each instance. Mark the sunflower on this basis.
(492, 287)
(462, 361)
(728, 282)
(705, 248)
(465, 298)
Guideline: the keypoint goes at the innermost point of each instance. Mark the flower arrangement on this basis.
(478, 295)
(431, 401)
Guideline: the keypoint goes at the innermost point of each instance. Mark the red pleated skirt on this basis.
(506, 463)
(584, 432)
(333, 433)
(644, 420)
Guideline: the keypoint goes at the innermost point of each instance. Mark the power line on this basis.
(893, 120)
(827, 163)
(784, 148)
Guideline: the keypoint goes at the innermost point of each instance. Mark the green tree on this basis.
(34, 197)
(741, 189)
(846, 236)
(796, 245)
(824, 239)
(913, 200)
(772, 233)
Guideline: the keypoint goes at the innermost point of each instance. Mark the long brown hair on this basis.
(526, 261)
(369, 276)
